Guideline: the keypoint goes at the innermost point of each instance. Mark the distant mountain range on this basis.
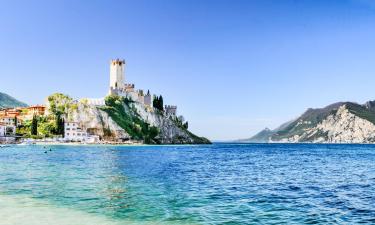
(7, 101)
(342, 122)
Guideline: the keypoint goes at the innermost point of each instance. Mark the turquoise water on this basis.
(217, 184)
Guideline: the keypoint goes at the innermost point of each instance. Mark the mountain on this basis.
(342, 122)
(7, 101)
(261, 137)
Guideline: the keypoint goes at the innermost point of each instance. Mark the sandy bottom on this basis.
(22, 210)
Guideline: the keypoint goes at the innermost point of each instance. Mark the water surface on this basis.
(217, 184)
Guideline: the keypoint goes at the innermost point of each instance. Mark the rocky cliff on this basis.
(122, 119)
(343, 122)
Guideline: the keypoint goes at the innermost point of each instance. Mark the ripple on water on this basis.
(222, 183)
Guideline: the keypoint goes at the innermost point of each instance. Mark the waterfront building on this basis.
(7, 133)
(8, 120)
(2, 129)
(7, 130)
(73, 132)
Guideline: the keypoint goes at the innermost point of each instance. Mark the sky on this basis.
(233, 67)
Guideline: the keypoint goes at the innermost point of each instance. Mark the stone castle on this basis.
(118, 86)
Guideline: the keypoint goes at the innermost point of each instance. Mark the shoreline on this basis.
(55, 143)
(160, 145)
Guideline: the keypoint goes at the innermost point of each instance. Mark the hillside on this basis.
(7, 101)
(123, 119)
(342, 122)
(261, 137)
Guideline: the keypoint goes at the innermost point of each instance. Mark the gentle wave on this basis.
(24, 210)
(217, 184)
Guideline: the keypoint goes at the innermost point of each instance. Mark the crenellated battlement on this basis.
(170, 109)
(119, 62)
(129, 85)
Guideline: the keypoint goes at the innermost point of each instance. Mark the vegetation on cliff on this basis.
(120, 110)
(169, 129)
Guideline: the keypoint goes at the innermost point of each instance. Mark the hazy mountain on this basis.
(7, 101)
(342, 122)
(261, 137)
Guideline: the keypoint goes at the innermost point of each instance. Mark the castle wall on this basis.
(95, 101)
(148, 100)
(171, 110)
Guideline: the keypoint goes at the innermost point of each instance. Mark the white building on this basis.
(2, 130)
(73, 132)
(7, 130)
(8, 120)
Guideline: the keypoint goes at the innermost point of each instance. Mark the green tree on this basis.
(59, 125)
(34, 126)
(186, 125)
(155, 102)
(161, 103)
(158, 103)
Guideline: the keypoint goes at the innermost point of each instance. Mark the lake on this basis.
(202, 184)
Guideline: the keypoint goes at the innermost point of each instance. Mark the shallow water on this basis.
(217, 184)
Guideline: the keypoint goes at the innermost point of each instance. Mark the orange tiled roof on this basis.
(37, 106)
(3, 117)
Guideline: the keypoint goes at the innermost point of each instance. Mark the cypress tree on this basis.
(158, 103)
(161, 104)
(59, 125)
(34, 126)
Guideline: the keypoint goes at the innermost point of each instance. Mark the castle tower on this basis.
(117, 74)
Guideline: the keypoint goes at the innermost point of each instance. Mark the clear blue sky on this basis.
(232, 67)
